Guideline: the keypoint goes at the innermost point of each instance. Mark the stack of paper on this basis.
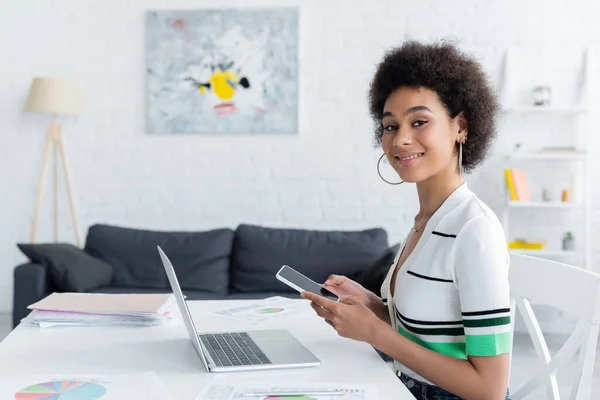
(94, 309)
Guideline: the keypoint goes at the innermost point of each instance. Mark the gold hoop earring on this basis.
(382, 178)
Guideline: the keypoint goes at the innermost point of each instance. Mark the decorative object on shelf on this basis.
(518, 147)
(523, 244)
(54, 96)
(568, 241)
(566, 195)
(546, 195)
(222, 71)
(542, 95)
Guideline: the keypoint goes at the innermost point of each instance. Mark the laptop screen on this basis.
(183, 308)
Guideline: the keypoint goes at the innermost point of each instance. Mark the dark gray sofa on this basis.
(219, 263)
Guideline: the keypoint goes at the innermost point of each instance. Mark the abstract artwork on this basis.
(222, 71)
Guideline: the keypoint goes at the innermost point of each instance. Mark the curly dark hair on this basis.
(457, 78)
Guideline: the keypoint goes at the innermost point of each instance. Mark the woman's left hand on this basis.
(348, 317)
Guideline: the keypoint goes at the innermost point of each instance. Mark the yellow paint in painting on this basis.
(219, 83)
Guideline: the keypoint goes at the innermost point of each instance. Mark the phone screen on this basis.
(301, 283)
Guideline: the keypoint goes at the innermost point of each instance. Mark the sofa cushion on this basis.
(70, 268)
(200, 259)
(372, 277)
(189, 294)
(262, 295)
(260, 252)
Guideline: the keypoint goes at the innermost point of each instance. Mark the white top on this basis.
(452, 293)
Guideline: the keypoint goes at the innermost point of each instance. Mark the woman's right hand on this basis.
(343, 286)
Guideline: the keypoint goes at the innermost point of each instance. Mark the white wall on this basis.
(323, 177)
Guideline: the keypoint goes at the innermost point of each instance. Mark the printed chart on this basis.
(311, 394)
(140, 385)
(291, 398)
(62, 390)
(308, 392)
(270, 309)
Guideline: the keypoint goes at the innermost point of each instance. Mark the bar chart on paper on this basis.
(62, 390)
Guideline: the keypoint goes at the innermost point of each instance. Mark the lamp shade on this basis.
(54, 95)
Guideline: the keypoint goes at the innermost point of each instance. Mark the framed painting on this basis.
(222, 71)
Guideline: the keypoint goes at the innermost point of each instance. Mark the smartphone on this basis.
(301, 283)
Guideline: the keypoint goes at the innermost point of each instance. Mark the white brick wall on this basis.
(124, 176)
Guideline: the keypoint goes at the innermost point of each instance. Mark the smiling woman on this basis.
(443, 77)
(444, 313)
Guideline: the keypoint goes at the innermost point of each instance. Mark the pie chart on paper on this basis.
(270, 310)
(62, 390)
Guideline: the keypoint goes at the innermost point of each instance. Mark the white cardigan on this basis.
(452, 294)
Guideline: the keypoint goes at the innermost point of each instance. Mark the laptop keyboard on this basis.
(233, 349)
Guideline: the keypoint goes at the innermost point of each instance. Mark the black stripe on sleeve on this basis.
(443, 234)
(418, 322)
(434, 331)
(486, 312)
(429, 277)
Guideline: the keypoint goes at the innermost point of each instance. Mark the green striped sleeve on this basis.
(491, 344)
(481, 267)
(488, 332)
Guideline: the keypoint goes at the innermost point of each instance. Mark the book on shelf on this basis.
(510, 184)
(518, 188)
(523, 244)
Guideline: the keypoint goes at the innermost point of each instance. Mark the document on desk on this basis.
(143, 386)
(47, 319)
(270, 309)
(138, 304)
(309, 391)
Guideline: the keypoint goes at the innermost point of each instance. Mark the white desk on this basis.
(168, 351)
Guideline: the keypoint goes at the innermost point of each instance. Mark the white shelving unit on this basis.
(582, 250)
(546, 110)
(543, 204)
(547, 156)
(546, 253)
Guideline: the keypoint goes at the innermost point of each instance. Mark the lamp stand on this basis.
(54, 142)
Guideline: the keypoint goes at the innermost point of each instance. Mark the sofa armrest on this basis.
(31, 283)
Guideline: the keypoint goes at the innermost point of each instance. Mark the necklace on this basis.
(421, 225)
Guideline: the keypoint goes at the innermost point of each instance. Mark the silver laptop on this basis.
(240, 351)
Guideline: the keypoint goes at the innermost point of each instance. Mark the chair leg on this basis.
(582, 384)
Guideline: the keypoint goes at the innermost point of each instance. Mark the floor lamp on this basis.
(54, 96)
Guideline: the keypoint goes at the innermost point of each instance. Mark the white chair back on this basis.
(570, 289)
